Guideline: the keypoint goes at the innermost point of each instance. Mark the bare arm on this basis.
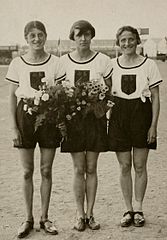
(108, 82)
(12, 109)
(152, 133)
(12, 105)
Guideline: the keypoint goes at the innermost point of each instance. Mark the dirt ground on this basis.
(109, 205)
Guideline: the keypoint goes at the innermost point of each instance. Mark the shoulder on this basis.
(103, 56)
(16, 60)
(64, 58)
(54, 58)
(15, 63)
(150, 64)
(103, 59)
(114, 60)
(150, 61)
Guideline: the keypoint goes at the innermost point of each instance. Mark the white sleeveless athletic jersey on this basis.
(28, 76)
(134, 82)
(98, 67)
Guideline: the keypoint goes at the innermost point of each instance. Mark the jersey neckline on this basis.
(36, 64)
(83, 62)
(136, 66)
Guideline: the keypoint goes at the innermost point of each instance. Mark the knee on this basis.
(139, 169)
(46, 173)
(79, 171)
(91, 170)
(28, 173)
(125, 169)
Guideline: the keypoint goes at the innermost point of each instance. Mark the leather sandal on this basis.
(127, 219)
(25, 228)
(139, 219)
(48, 227)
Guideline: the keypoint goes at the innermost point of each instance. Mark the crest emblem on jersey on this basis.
(35, 79)
(81, 76)
(128, 84)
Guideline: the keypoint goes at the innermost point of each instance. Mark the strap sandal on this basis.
(127, 219)
(80, 224)
(139, 219)
(25, 228)
(92, 224)
(48, 227)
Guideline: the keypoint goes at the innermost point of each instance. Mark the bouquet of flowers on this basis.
(63, 102)
(93, 97)
(51, 105)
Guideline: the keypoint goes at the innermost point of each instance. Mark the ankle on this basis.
(138, 206)
(89, 215)
(129, 209)
(81, 215)
(44, 218)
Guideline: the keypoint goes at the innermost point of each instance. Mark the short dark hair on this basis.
(129, 29)
(83, 26)
(34, 24)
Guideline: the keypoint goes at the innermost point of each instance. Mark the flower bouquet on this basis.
(93, 97)
(72, 108)
(63, 103)
(51, 105)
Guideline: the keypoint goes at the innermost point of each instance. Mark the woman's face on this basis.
(128, 42)
(82, 39)
(36, 39)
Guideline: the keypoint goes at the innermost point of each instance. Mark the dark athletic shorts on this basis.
(47, 136)
(129, 124)
(89, 134)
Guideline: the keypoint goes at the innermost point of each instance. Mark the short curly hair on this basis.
(129, 29)
(34, 24)
(83, 26)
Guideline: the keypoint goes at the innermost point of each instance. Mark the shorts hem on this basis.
(129, 149)
(120, 150)
(56, 146)
(21, 147)
(33, 147)
(83, 150)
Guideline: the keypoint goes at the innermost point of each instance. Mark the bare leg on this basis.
(79, 181)
(125, 161)
(27, 160)
(91, 181)
(47, 157)
(140, 162)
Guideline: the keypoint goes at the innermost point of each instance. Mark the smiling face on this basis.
(82, 38)
(36, 39)
(128, 42)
